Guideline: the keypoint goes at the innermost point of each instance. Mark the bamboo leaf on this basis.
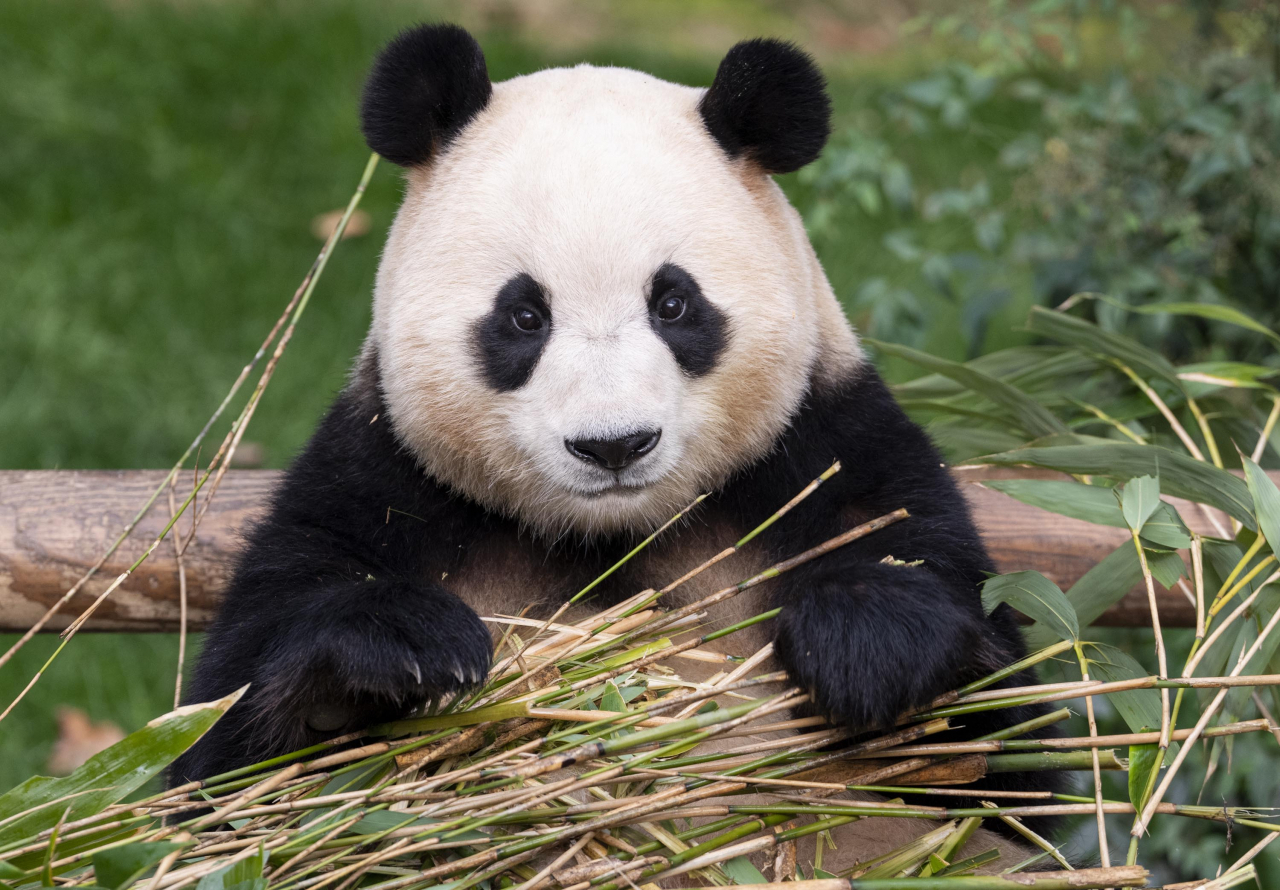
(1210, 311)
(1089, 337)
(741, 871)
(385, 820)
(243, 875)
(121, 866)
(961, 442)
(1096, 591)
(1142, 760)
(1090, 503)
(1166, 567)
(612, 699)
(1140, 708)
(1237, 375)
(1033, 417)
(1180, 476)
(1165, 528)
(1096, 504)
(972, 863)
(1014, 362)
(1266, 501)
(1139, 500)
(109, 776)
(1035, 596)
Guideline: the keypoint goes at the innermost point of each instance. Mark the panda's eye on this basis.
(671, 308)
(527, 320)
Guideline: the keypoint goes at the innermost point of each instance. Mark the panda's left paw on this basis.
(872, 642)
(369, 652)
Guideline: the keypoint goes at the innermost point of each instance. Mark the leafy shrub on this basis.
(1154, 192)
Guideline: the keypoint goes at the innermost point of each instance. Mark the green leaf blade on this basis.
(119, 867)
(1140, 708)
(1266, 501)
(109, 776)
(1083, 335)
(1034, 418)
(1180, 476)
(1035, 596)
(1089, 503)
(1142, 761)
(1140, 499)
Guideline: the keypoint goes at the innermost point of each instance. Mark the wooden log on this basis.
(54, 524)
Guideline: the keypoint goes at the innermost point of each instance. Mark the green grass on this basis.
(160, 168)
(125, 679)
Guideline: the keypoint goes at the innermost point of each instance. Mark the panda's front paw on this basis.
(873, 642)
(373, 653)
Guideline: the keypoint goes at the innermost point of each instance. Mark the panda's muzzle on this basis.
(614, 454)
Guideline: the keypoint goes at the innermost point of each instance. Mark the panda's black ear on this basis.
(426, 85)
(768, 102)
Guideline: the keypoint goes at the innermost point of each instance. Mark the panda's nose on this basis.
(614, 454)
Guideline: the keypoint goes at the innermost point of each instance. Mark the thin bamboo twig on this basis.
(1219, 604)
(780, 568)
(1252, 852)
(1160, 405)
(1104, 852)
(1193, 660)
(1265, 435)
(1203, 422)
(1081, 879)
(1140, 825)
(731, 550)
(540, 878)
(1254, 548)
(1119, 740)
(178, 549)
(1197, 571)
(1161, 657)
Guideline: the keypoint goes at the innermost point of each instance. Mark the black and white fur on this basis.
(594, 305)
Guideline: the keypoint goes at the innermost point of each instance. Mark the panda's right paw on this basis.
(872, 643)
(373, 653)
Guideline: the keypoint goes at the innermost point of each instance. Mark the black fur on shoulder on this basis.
(426, 85)
(769, 102)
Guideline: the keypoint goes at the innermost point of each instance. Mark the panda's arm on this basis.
(327, 615)
(870, 637)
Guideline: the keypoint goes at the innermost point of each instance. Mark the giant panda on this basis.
(594, 305)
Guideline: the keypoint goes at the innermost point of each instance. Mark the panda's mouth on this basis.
(617, 488)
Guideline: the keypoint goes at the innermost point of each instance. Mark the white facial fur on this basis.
(589, 179)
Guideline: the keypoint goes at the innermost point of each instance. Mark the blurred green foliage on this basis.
(1151, 182)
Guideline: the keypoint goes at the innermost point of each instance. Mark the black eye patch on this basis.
(694, 330)
(509, 340)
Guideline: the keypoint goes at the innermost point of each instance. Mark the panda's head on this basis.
(595, 303)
